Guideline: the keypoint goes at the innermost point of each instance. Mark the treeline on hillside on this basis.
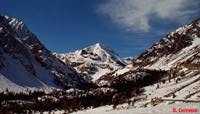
(120, 90)
(136, 78)
(70, 100)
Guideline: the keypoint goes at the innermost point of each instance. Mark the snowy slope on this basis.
(144, 103)
(162, 109)
(146, 106)
(178, 55)
(178, 49)
(93, 61)
(25, 61)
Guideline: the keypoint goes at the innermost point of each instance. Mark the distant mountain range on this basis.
(26, 62)
(167, 72)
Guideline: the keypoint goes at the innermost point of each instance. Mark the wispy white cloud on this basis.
(136, 15)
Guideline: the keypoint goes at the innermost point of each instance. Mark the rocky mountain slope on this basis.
(173, 62)
(165, 75)
(26, 62)
(179, 49)
(93, 61)
(158, 98)
(175, 57)
(176, 52)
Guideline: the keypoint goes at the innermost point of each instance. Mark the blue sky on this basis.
(127, 26)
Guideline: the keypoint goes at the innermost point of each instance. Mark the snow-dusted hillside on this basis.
(93, 61)
(167, 75)
(162, 99)
(178, 52)
(179, 49)
(25, 61)
(178, 55)
(161, 109)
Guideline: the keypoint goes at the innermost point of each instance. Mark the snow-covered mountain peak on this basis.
(103, 52)
(26, 62)
(99, 46)
(20, 28)
(93, 61)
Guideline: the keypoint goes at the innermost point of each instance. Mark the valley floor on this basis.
(124, 109)
(160, 109)
(182, 95)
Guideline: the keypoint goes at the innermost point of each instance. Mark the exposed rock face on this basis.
(26, 62)
(177, 54)
(180, 48)
(93, 61)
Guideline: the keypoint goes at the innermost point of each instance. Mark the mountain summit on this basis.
(26, 63)
(93, 61)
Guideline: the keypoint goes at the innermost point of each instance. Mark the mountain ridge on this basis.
(172, 44)
(177, 53)
(94, 60)
(166, 73)
(32, 58)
